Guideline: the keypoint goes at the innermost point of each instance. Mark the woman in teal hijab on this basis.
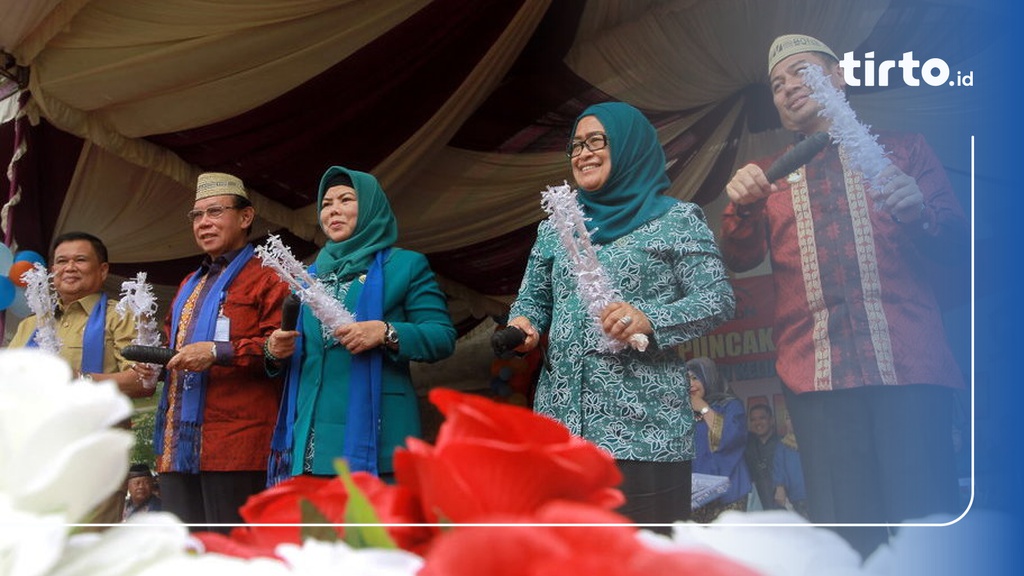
(661, 257)
(342, 383)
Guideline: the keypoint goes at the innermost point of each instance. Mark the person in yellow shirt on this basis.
(90, 331)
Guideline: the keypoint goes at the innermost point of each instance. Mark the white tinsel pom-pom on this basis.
(866, 155)
(592, 282)
(42, 300)
(137, 297)
(311, 291)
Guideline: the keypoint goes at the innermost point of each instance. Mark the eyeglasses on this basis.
(214, 212)
(593, 143)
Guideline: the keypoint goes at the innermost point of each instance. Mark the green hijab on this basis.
(632, 196)
(376, 227)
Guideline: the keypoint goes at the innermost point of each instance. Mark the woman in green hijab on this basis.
(343, 382)
(661, 257)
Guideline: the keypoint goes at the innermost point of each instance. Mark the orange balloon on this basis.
(17, 269)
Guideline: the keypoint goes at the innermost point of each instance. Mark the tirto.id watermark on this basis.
(933, 71)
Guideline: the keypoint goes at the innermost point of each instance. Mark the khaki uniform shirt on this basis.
(118, 333)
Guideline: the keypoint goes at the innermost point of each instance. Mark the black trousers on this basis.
(210, 497)
(877, 454)
(656, 492)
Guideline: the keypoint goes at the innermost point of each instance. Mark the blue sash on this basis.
(362, 427)
(279, 465)
(93, 339)
(189, 423)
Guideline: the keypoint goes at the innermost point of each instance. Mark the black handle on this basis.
(290, 312)
(504, 341)
(799, 155)
(148, 354)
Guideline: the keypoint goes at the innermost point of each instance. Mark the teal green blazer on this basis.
(418, 310)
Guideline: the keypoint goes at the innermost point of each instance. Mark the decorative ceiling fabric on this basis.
(460, 107)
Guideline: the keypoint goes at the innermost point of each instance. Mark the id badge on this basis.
(223, 330)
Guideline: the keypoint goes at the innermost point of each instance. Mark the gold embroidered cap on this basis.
(788, 44)
(218, 184)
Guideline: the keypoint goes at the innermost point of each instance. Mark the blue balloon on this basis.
(30, 256)
(19, 307)
(7, 292)
(6, 259)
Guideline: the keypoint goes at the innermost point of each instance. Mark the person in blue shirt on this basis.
(720, 437)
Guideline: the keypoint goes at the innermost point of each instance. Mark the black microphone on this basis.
(148, 354)
(290, 312)
(800, 154)
(505, 340)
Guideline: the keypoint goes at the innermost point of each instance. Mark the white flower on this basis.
(213, 565)
(971, 546)
(30, 544)
(146, 540)
(58, 453)
(315, 557)
(774, 543)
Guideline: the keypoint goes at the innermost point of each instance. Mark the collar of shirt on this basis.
(215, 265)
(86, 304)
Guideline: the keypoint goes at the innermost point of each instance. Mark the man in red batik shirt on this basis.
(219, 407)
(858, 331)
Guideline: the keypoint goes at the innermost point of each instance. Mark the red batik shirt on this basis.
(241, 403)
(855, 304)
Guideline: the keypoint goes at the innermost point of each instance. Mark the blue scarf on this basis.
(362, 428)
(93, 339)
(193, 394)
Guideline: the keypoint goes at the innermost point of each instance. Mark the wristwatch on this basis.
(390, 336)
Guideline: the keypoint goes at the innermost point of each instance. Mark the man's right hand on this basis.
(194, 357)
(749, 185)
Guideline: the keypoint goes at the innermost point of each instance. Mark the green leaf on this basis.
(358, 510)
(311, 515)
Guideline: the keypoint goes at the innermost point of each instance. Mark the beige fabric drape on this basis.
(115, 71)
(112, 81)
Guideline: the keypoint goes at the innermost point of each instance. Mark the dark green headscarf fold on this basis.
(632, 195)
(376, 228)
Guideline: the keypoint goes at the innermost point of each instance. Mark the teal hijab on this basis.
(376, 228)
(632, 196)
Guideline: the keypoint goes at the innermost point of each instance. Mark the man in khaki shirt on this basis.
(89, 342)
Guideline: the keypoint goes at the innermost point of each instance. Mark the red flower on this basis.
(493, 458)
(612, 550)
(397, 505)
(280, 505)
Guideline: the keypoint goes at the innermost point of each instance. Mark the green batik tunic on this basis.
(634, 404)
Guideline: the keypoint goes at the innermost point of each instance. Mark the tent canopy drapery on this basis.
(460, 107)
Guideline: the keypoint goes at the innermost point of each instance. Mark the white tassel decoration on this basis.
(592, 283)
(137, 297)
(859, 145)
(42, 300)
(331, 313)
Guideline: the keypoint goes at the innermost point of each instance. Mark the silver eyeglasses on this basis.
(214, 212)
(594, 142)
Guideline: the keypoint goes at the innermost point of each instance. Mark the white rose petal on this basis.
(315, 557)
(788, 547)
(58, 453)
(30, 544)
(125, 550)
(215, 565)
